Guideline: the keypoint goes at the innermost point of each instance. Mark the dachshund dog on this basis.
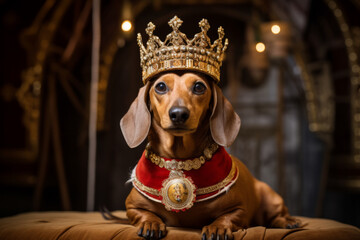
(182, 113)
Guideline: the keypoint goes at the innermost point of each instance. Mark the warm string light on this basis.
(275, 29)
(126, 25)
(260, 47)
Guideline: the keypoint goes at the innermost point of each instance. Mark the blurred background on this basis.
(291, 72)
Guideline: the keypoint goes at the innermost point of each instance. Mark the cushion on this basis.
(91, 225)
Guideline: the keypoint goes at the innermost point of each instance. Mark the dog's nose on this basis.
(179, 115)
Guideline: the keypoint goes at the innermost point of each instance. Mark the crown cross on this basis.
(177, 52)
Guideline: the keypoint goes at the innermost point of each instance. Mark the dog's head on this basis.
(179, 104)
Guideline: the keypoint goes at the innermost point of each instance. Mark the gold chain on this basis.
(186, 165)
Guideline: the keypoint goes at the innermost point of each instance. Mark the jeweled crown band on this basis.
(177, 52)
(181, 63)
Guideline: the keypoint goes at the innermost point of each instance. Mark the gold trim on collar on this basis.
(186, 165)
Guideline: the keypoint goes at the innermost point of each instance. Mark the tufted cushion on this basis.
(83, 225)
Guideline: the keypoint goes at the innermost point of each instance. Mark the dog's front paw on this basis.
(286, 222)
(216, 232)
(151, 230)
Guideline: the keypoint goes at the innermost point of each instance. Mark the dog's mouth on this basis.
(180, 130)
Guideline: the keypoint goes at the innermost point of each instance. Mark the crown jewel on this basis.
(177, 52)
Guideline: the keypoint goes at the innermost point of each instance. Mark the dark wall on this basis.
(115, 159)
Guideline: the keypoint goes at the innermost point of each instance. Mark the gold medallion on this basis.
(178, 192)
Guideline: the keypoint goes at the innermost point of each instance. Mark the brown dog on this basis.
(182, 115)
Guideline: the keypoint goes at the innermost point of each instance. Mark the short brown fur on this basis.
(211, 119)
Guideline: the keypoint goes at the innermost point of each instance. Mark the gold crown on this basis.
(177, 52)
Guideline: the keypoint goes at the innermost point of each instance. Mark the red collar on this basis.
(212, 172)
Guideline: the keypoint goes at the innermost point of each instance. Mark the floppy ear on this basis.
(224, 122)
(136, 122)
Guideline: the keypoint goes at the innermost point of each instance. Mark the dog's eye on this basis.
(199, 88)
(161, 88)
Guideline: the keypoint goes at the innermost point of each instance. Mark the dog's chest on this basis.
(179, 190)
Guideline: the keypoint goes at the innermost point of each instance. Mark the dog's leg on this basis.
(284, 220)
(276, 213)
(224, 226)
(149, 225)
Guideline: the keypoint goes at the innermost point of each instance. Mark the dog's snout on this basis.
(179, 115)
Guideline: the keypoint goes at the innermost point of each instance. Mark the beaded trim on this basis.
(186, 165)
